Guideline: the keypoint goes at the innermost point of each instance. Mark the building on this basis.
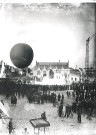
(55, 73)
(7, 71)
(16, 74)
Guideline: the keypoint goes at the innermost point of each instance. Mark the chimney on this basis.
(36, 62)
(68, 63)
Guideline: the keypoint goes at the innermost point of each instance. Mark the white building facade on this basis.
(55, 73)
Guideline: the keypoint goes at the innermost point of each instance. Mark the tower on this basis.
(87, 51)
(87, 54)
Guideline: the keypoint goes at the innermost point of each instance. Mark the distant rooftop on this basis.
(58, 65)
(53, 64)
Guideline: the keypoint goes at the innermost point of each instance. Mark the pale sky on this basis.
(54, 31)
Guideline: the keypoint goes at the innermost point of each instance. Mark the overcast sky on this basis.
(54, 31)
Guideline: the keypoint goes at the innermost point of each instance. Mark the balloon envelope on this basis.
(21, 55)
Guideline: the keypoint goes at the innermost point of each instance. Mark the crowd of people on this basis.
(84, 98)
(85, 102)
(13, 100)
(9, 87)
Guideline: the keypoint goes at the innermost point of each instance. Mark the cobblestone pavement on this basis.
(23, 112)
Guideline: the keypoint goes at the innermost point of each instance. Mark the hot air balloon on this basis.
(21, 55)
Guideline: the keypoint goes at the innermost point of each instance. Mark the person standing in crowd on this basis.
(73, 94)
(15, 100)
(10, 126)
(89, 114)
(67, 111)
(79, 113)
(60, 111)
(60, 108)
(62, 97)
(11, 100)
(74, 107)
(70, 111)
(67, 93)
(59, 97)
(54, 99)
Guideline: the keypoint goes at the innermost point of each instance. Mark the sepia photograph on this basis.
(48, 68)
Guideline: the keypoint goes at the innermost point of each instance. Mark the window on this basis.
(44, 73)
(65, 74)
(51, 74)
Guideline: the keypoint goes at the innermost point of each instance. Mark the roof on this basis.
(74, 71)
(53, 64)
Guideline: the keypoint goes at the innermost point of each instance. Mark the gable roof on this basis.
(57, 64)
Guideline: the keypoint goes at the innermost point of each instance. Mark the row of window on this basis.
(73, 79)
(50, 72)
(51, 75)
(58, 77)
